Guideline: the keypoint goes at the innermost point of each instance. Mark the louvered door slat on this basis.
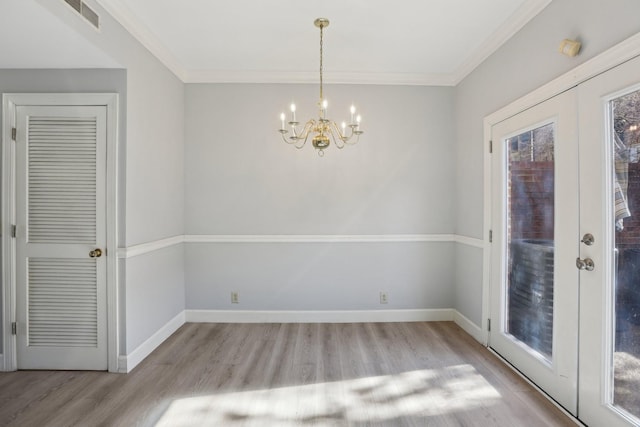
(63, 147)
(56, 303)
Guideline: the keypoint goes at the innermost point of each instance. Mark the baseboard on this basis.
(2, 367)
(340, 316)
(469, 327)
(130, 361)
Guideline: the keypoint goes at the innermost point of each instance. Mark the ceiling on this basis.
(430, 42)
(31, 37)
(368, 41)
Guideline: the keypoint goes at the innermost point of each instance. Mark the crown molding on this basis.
(508, 29)
(122, 14)
(292, 77)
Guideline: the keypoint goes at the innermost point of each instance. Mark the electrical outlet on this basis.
(383, 298)
(234, 298)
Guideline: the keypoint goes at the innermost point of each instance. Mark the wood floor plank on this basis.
(363, 374)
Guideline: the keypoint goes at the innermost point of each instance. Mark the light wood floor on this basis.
(374, 374)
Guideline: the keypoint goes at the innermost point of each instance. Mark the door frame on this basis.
(614, 56)
(8, 213)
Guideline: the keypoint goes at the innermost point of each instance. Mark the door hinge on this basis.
(13, 133)
(490, 146)
(490, 236)
(489, 325)
(14, 231)
(14, 328)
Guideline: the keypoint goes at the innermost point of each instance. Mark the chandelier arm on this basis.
(303, 136)
(353, 132)
(345, 140)
(289, 140)
(336, 136)
(335, 129)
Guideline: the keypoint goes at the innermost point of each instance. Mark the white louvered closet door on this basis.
(60, 211)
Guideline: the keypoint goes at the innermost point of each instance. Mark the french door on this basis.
(609, 113)
(534, 296)
(565, 278)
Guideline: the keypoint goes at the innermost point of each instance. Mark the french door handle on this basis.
(588, 239)
(585, 264)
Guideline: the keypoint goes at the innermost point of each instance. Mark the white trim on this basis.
(311, 316)
(508, 29)
(319, 238)
(304, 77)
(487, 227)
(8, 243)
(535, 386)
(123, 15)
(145, 248)
(130, 361)
(113, 325)
(10, 102)
(469, 327)
(155, 245)
(616, 55)
(469, 241)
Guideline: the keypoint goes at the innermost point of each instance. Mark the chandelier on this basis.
(324, 130)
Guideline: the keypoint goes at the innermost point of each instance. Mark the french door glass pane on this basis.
(625, 113)
(530, 238)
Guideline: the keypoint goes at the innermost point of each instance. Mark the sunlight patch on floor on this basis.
(428, 392)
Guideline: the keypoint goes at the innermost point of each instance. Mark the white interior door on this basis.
(60, 215)
(610, 211)
(534, 280)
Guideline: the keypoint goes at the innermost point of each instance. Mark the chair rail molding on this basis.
(144, 248)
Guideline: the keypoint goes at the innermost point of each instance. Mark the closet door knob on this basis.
(96, 253)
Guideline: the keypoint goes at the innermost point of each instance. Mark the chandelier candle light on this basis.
(324, 130)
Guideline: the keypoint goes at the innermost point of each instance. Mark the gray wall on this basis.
(241, 178)
(154, 168)
(53, 81)
(526, 62)
(319, 276)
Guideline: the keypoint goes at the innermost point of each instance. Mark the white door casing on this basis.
(52, 246)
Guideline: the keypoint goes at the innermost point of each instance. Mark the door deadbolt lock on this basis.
(585, 264)
(96, 253)
(588, 239)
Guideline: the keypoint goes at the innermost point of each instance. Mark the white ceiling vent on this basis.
(84, 10)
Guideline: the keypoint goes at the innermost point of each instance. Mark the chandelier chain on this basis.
(321, 40)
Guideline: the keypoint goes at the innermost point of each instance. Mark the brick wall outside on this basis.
(531, 199)
(629, 237)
